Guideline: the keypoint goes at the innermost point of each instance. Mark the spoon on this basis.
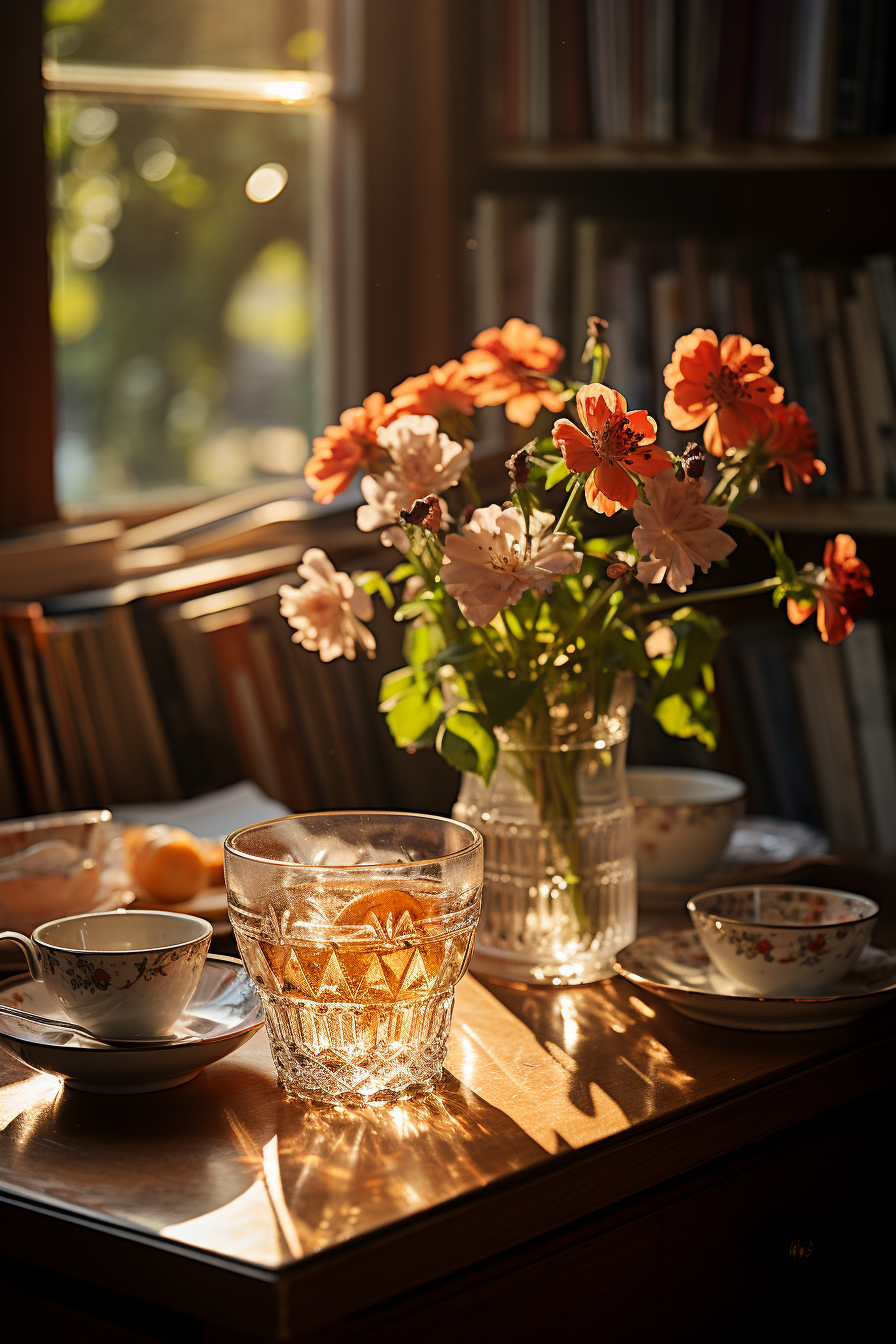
(75, 1030)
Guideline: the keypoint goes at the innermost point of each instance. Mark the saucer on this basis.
(225, 1011)
(674, 966)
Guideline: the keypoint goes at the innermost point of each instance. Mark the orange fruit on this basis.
(168, 863)
(387, 909)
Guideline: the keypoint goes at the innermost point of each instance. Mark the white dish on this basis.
(674, 966)
(760, 849)
(683, 819)
(225, 1011)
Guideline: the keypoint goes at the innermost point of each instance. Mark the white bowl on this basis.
(683, 819)
(783, 941)
(51, 867)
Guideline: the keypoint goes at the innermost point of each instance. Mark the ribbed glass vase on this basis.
(560, 895)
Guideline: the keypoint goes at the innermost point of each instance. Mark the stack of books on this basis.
(657, 71)
(831, 329)
(155, 665)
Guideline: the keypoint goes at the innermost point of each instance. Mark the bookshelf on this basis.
(733, 175)
(731, 157)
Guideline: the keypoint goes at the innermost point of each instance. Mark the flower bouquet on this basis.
(527, 638)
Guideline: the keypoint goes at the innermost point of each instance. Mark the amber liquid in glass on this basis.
(358, 985)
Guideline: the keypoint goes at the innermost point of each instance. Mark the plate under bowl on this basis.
(674, 966)
(225, 1011)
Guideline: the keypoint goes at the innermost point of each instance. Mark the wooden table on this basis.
(591, 1158)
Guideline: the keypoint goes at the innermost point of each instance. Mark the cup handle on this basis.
(28, 948)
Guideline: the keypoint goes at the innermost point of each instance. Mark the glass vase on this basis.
(560, 894)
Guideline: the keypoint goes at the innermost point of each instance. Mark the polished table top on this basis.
(555, 1103)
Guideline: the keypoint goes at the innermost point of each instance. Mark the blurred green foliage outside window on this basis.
(188, 237)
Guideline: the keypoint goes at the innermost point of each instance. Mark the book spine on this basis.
(488, 261)
(244, 697)
(810, 52)
(866, 675)
(875, 460)
(21, 735)
(586, 294)
(830, 735)
(883, 402)
(539, 48)
(883, 280)
(841, 388)
(807, 370)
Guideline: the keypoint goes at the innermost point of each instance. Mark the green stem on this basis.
(471, 488)
(738, 520)
(568, 508)
(707, 595)
(593, 604)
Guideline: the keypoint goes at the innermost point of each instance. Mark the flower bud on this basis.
(518, 466)
(424, 513)
(693, 462)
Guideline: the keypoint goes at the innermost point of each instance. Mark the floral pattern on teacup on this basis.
(808, 949)
(92, 974)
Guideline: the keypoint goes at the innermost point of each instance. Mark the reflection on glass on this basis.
(184, 245)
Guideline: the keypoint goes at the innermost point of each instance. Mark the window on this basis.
(188, 148)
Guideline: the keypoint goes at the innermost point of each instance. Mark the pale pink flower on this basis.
(328, 610)
(678, 531)
(422, 462)
(491, 564)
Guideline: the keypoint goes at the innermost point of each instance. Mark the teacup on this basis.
(123, 974)
(793, 942)
(683, 819)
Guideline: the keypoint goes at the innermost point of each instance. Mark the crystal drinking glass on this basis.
(356, 926)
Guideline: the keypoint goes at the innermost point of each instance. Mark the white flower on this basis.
(679, 531)
(422, 462)
(491, 565)
(328, 610)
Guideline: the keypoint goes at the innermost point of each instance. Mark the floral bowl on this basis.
(683, 819)
(783, 941)
(52, 866)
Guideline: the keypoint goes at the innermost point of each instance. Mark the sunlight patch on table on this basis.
(16, 1098)
(496, 1056)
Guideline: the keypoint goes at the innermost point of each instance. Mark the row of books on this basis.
(162, 696)
(153, 700)
(71, 556)
(631, 71)
(808, 726)
(831, 330)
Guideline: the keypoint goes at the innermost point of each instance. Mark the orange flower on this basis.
(342, 449)
(509, 367)
(616, 439)
(440, 393)
(726, 385)
(790, 443)
(842, 587)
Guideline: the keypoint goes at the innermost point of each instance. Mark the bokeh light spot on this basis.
(93, 125)
(266, 182)
(91, 246)
(154, 159)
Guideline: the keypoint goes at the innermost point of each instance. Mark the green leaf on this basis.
(558, 472)
(395, 684)
(422, 643)
(401, 572)
(467, 742)
(372, 581)
(604, 546)
(693, 714)
(412, 721)
(697, 638)
(409, 611)
(503, 697)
